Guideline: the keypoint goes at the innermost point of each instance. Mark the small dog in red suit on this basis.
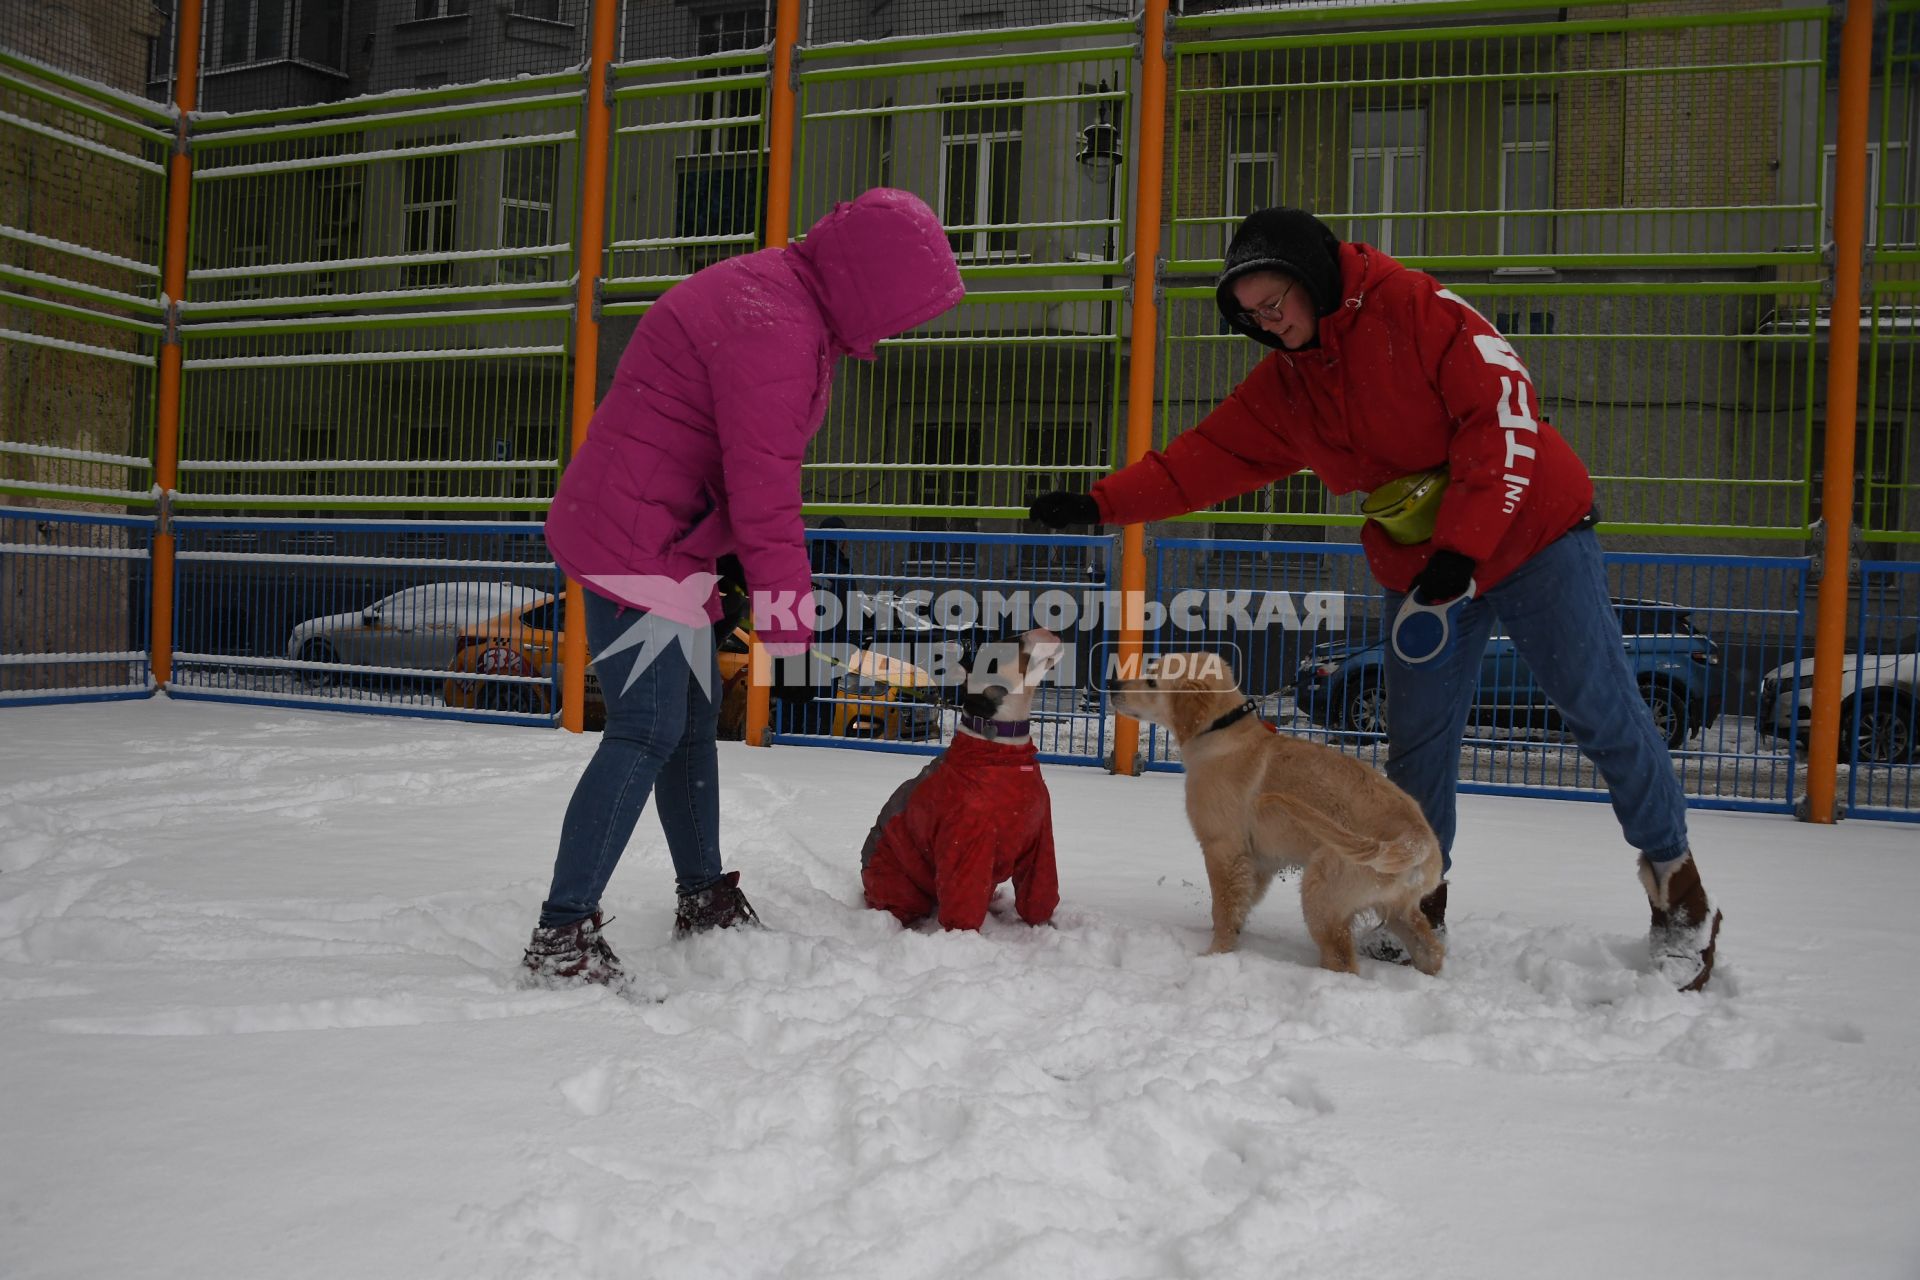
(979, 814)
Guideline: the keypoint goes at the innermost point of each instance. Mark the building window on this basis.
(1386, 174)
(545, 10)
(1889, 202)
(980, 151)
(160, 57)
(947, 456)
(252, 30)
(323, 33)
(1252, 162)
(425, 9)
(723, 33)
(1526, 176)
(528, 178)
(337, 194)
(432, 189)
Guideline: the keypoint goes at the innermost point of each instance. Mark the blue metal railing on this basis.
(919, 599)
(1880, 713)
(399, 617)
(1701, 630)
(462, 620)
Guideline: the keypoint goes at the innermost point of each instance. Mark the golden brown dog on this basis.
(1261, 802)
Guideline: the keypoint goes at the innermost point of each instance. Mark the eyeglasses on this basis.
(1252, 317)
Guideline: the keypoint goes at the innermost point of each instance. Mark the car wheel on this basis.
(1886, 727)
(1363, 707)
(1672, 719)
(320, 654)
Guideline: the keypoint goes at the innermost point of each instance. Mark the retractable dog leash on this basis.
(1422, 631)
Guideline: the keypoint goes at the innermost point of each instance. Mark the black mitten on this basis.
(1059, 509)
(1446, 577)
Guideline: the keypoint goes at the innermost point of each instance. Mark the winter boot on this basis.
(720, 905)
(1686, 926)
(573, 953)
(1380, 943)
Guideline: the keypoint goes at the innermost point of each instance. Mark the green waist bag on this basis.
(1406, 507)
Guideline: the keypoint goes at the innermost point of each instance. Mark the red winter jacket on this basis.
(977, 815)
(1406, 377)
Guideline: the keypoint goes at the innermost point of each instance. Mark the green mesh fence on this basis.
(82, 204)
(423, 412)
(1887, 460)
(1024, 153)
(1632, 194)
(445, 200)
(385, 214)
(688, 177)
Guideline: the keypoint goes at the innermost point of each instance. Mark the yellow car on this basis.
(881, 696)
(875, 697)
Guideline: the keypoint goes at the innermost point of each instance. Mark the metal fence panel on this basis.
(1301, 625)
(82, 194)
(1535, 138)
(74, 599)
(416, 411)
(688, 175)
(406, 617)
(419, 198)
(1024, 150)
(1880, 689)
(906, 605)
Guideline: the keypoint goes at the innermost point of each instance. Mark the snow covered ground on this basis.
(258, 1018)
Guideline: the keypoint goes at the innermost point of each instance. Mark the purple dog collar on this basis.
(996, 728)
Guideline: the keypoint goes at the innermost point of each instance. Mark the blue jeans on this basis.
(659, 738)
(1556, 609)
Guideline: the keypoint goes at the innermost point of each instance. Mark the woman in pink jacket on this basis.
(695, 454)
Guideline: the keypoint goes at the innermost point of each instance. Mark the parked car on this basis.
(883, 696)
(1342, 685)
(417, 628)
(1879, 707)
(873, 698)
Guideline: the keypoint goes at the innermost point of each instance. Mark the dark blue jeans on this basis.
(659, 740)
(1556, 610)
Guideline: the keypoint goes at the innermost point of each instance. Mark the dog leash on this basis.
(1422, 631)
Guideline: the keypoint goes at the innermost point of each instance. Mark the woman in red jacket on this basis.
(1382, 380)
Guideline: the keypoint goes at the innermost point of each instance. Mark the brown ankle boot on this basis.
(572, 953)
(1686, 926)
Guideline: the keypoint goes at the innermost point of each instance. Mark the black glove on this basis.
(1059, 509)
(735, 600)
(1445, 577)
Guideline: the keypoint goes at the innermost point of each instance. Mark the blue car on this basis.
(1342, 685)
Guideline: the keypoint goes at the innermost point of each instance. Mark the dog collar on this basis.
(1239, 713)
(996, 728)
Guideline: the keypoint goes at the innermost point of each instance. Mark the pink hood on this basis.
(696, 449)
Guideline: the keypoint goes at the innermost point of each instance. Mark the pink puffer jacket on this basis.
(696, 449)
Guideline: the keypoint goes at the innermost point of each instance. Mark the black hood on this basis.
(1290, 241)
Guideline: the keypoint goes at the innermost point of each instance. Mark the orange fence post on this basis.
(1843, 386)
(1143, 348)
(173, 283)
(590, 262)
(780, 147)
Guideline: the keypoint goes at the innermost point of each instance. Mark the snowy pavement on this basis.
(258, 1018)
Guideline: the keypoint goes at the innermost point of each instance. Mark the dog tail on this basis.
(1406, 856)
